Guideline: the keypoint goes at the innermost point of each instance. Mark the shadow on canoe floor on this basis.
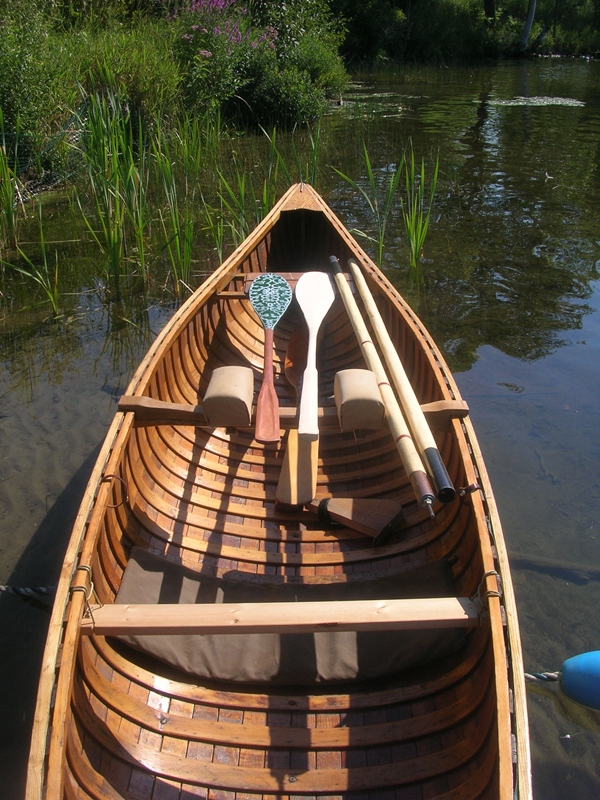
(23, 626)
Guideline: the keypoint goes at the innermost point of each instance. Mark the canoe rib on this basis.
(125, 724)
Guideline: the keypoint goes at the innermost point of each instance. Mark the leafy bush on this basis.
(215, 50)
(274, 64)
(276, 94)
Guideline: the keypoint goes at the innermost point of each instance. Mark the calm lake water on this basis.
(511, 294)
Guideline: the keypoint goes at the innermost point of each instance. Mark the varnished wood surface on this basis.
(114, 723)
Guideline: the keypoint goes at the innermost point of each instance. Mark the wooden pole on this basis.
(396, 422)
(408, 400)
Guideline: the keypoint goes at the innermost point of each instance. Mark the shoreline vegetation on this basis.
(134, 108)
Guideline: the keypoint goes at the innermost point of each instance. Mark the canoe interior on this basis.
(205, 498)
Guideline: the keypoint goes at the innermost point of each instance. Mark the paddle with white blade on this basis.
(270, 295)
(315, 295)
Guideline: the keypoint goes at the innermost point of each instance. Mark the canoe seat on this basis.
(228, 398)
(358, 400)
(289, 658)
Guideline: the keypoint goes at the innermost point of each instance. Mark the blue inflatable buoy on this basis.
(580, 679)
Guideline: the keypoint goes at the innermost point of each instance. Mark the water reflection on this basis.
(511, 256)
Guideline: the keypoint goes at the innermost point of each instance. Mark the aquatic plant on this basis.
(10, 196)
(416, 211)
(43, 275)
(178, 220)
(246, 205)
(379, 208)
(107, 151)
(136, 177)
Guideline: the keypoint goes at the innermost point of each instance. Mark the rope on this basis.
(44, 591)
(542, 677)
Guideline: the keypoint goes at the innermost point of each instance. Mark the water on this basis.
(510, 270)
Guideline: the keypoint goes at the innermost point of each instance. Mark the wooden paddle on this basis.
(315, 295)
(297, 483)
(270, 296)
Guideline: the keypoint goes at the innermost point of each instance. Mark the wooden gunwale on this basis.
(199, 514)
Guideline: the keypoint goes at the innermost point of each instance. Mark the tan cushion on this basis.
(228, 399)
(302, 658)
(358, 400)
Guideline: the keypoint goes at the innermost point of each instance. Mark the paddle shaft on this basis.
(309, 401)
(267, 406)
(297, 483)
(411, 459)
(410, 405)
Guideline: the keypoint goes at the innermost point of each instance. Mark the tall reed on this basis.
(246, 205)
(43, 275)
(308, 172)
(107, 147)
(178, 220)
(118, 178)
(416, 211)
(10, 196)
(135, 187)
(380, 208)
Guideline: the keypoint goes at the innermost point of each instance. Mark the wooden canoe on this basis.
(375, 671)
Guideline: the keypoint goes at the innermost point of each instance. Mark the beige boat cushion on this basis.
(358, 400)
(228, 398)
(302, 658)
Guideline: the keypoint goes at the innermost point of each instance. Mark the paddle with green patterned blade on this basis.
(270, 296)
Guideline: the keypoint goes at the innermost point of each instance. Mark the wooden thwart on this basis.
(353, 615)
(149, 411)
